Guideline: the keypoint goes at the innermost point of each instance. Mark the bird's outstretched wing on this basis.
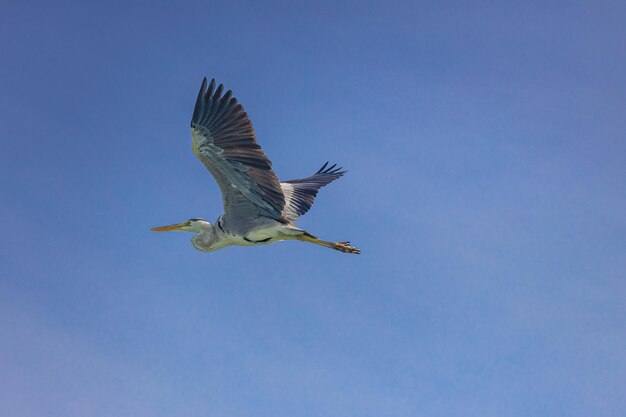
(223, 139)
(299, 194)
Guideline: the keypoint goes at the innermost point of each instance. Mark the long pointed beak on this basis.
(170, 228)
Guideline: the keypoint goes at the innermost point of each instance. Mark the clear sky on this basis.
(487, 155)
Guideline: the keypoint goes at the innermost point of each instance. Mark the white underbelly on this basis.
(269, 234)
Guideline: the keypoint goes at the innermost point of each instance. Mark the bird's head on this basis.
(205, 237)
(195, 225)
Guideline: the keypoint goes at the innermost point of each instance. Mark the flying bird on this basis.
(258, 208)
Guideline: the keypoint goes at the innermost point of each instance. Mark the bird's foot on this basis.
(346, 248)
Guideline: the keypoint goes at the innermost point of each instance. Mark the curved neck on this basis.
(206, 238)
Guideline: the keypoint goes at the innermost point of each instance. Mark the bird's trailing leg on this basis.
(340, 246)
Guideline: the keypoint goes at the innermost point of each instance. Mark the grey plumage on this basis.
(300, 194)
(258, 208)
(224, 141)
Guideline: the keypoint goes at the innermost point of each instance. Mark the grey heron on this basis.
(258, 208)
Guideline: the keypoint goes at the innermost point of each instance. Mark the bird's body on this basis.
(258, 208)
(260, 232)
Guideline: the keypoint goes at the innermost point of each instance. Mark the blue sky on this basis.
(486, 151)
